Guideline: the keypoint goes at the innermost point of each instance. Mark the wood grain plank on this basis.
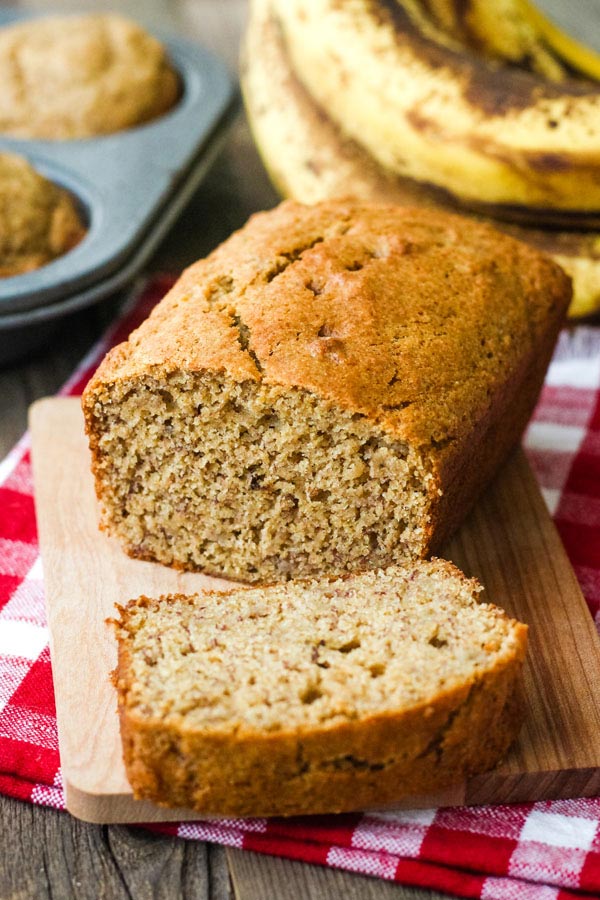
(45, 854)
(43, 373)
(509, 542)
(255, 876)
(68, 494)
(528, 573)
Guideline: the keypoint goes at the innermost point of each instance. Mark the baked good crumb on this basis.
(316, 697)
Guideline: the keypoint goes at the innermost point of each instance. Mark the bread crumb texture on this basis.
(38, 219)
(328, 391)
(316, 696)
(79, 76)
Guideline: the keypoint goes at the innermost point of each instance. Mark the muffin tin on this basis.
(130, 186)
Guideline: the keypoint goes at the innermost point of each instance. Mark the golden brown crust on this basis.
(435, 328)
(361, 763)
(38, 219)
(383, 282)
(80, 76)
(391, 758)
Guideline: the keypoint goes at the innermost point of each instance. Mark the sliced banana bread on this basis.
(316, 696)
(328, 391)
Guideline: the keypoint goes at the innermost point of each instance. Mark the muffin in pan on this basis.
(80, 76)
(39, 220)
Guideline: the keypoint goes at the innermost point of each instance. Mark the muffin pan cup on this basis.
(130, 187)
(25, 332)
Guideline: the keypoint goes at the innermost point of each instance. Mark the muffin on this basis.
(80, 76)
(38, 219)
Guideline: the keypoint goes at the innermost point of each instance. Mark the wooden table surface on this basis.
(48, 854)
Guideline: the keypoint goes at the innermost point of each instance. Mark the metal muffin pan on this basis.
(24, 332)
(130, 185)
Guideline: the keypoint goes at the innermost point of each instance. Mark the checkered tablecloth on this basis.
(535, 851)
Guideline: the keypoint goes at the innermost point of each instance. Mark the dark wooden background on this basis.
(48, 854)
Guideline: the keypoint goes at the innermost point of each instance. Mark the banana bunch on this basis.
(435, 103)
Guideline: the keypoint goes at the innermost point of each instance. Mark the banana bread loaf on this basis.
(328, 391)
(316, 697)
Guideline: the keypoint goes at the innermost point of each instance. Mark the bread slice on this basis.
(328, 391)
(317, 696)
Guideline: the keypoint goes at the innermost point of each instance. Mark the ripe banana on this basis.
(424, 104)
(578, 55)
(309, 159)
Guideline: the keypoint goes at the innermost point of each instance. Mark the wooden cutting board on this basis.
(509, 542)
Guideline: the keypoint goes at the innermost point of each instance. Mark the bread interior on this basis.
(253, 481)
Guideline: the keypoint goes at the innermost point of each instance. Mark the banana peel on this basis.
(310, 159)
(495, 136)
(564, 47)
(499, 30)
(509, 31)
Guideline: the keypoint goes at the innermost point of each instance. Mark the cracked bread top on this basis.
(77, 76)
(413, 318)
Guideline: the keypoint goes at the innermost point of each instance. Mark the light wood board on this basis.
(509, 542)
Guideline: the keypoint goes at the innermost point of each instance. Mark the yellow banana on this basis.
(494, 136)
(564, 46)
(309, 159)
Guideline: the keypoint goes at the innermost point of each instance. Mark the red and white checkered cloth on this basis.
(535, 851)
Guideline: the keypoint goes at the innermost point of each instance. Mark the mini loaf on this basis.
(38, 219)
(77, 76)
(316, 697)
(328, 391)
